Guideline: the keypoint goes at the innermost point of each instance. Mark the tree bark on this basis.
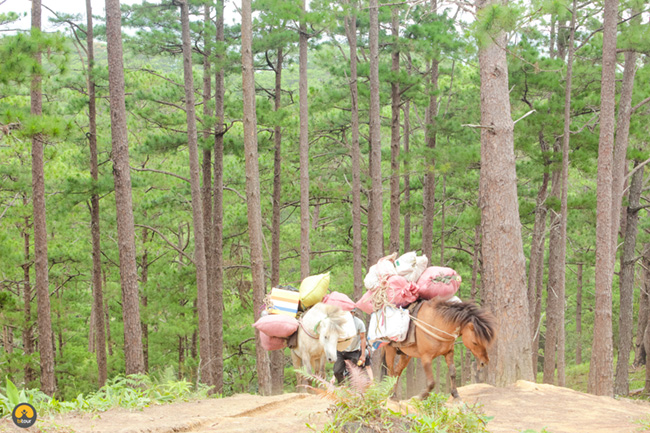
(45, 346)
(375, 215)
(357, 241)
(205, 363)
(28, 334)
(502, 246)
(644, 308)
(429, 187)
(601, 377)
(626, 286)
(558, 239)
(394, 136)
(217, 307)
(253, 190)
(98, 291)
(579, 315)
(305, 249)
(206, 196)
(536, 262)
(407, 178)
(134, 362)
(277, 356)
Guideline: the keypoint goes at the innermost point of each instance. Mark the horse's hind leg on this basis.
(449, 357)
(431, 383)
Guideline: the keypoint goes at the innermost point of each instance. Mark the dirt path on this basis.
(517, 408)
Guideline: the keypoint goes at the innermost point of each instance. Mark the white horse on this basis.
(319, 334)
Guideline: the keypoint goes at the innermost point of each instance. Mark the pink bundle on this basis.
(398, 291)
(276, 325)
(439, 282)
(272, 343)
(339, 299)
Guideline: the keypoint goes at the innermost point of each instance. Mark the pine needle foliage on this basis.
(361, 406)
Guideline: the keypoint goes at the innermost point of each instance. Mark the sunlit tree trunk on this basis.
(601, 371)
(626, 286)
(205, 364)
(357, 241)
(253, 190)
(394, 137)
(123, 201)
(98, 291)
(505, 292)
(305, 249)
(375, 215)
(45, 347)
(217, 307)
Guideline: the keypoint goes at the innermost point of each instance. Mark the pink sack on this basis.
(339, 299)
(272, 343)
(276, 325)
(365, 303)
(438, 281)
(400, 291)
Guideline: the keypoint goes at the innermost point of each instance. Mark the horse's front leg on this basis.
(431, 383)
(449, 357)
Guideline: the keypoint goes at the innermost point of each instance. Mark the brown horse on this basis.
(437, 326)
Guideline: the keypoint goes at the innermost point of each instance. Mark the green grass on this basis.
(131, 392)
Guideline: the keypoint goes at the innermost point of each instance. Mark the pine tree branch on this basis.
(181, 252)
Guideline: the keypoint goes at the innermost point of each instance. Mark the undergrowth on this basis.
(131, 392)
(363, 406)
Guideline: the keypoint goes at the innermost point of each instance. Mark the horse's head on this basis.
(478, 333)
(478, 346)
(330, 329)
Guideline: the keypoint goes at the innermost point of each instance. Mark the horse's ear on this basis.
(470, 325)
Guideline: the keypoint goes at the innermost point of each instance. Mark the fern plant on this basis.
(361, 406)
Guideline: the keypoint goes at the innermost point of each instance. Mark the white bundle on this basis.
(411, 266)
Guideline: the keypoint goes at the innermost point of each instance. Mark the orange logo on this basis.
(24, 415)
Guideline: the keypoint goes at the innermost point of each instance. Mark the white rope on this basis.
(420, 324)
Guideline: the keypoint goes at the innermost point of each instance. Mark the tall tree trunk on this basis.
(357, 241)
(134, 362)
(640, 357)
(217, 307)
(277, 356)
(626, 279)
(375, 215)
(305, 249)
(429, 187)
(253, 190)
(557, 243)
(644, 333)
(601, 371)
(626, 286)
(536, 262)
(144, 265)
(555, 262)
(407, 178)
(206, 195)
(205, 363)
(46, 349)
(394, 136)
(28, 334)
(579, 315)
(502, 244)
(98, 291)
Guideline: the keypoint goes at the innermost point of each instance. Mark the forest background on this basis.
(334, 191)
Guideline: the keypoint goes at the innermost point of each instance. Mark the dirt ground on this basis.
(520, 407)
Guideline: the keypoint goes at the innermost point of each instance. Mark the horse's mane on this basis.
(462, 313)
(334, 313)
